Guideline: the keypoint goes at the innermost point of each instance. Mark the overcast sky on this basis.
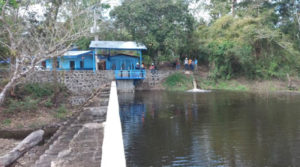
(195, 8)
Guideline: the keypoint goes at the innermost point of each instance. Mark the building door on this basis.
(81, 64)
(102, 65)
(72, 65)
(44, 64)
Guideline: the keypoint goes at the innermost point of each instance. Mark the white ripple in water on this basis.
(195, 90)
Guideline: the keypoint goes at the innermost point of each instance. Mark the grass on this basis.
(61, 112)
(178, 82)
(31, 97)
(48, 103)
(6, 122)
(28, 104)
(221, 84)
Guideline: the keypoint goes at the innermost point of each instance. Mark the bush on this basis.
(6, 122)
(61, 112)
(48, 103)
(249, 47)
(178, 81)
(28, 104)
(38, 90)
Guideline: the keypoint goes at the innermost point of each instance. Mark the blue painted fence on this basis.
(130, 74)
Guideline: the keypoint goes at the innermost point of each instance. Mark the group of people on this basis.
(142, 67)
(190, 64)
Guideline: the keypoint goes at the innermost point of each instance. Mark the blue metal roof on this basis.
(120, 45)
(77, 53)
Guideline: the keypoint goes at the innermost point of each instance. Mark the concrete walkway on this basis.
(113, 147)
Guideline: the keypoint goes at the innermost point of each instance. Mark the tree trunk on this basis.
(54, 72)
(30, 141)
(7, 87)
(233, 7)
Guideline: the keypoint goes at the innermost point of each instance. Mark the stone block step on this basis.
(80, 144)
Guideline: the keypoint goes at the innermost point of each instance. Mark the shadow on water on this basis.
(210, 129)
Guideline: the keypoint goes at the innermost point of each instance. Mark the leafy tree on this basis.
(248, 46)
(162, 25)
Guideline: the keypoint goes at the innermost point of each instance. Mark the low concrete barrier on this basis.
(113, 154)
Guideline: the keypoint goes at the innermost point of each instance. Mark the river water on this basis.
(210, 129)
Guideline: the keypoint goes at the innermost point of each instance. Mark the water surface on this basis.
(210, 129)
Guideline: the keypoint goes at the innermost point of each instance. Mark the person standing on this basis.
(143, 66)
(152, 68)
(190, 63)
(196, 64)
(186, 62)
(177, 65)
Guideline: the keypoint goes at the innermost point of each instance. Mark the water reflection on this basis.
(212, 129)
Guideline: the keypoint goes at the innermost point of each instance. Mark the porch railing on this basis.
(130, 74)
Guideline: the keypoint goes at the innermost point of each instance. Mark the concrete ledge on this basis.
(113, 154)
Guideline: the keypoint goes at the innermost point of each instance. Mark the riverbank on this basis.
(182, 81)
(34, 106)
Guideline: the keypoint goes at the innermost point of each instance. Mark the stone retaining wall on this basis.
(78, 82)
(82, 83)
(154, 80)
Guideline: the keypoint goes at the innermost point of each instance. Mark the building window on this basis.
(81, 64)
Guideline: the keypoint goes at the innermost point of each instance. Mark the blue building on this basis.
(125, 57)
(72, 60)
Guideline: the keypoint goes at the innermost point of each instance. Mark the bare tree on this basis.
(32, 37)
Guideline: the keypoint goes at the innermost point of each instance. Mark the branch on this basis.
(3, 7)
(6, 45)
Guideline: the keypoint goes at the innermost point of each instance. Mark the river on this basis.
(219, 128)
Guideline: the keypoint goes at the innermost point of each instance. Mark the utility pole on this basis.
(95, 28)
(233, 7)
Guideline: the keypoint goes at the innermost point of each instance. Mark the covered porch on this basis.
(124, 57)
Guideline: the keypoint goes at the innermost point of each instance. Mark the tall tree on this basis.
(32, 37)
(258, 42)
(162, 25)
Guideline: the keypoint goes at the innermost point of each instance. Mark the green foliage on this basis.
(178, 81)
(38, 90)
(83, 43)
(3, 82)
(61, 112)
(221, 58)
(48, 103)
(28, 104)
(163, 26)
(12, 3)
(221, 84)
(248, 46)
(6, 122)
(28, 97)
